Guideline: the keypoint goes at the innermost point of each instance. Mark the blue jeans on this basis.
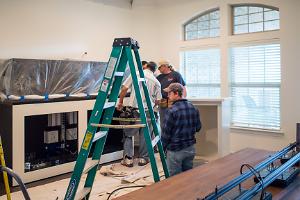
(128, 139)
(180, 161)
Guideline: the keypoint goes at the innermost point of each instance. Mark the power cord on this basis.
(258, 177)
(121, 188)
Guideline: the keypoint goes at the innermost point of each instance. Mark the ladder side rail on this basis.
(152, 117)
(105, 85)
(108, 114)
(95, 118)
(142, 113)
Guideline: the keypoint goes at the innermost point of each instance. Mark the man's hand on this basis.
(120, 106)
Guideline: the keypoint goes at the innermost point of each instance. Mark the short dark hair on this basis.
(152, 66)
(144, 62)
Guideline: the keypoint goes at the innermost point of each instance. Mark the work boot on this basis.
(127, 161)
(143, 161)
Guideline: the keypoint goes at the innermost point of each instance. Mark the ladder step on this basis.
(83, 193)
(109, 104)
(120, 119)
(119, 73)
(155, 140)
(99, 135)
(118, 126)
(89, 165)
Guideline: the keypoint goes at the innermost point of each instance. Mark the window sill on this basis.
(254, 131)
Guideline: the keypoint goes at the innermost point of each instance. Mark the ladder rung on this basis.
(155, 140)
(99, 135)
(83, 193)
(89, 165)
(119, 73)
(120, 119)
(141, 79)
(118, 126)
(109, 104)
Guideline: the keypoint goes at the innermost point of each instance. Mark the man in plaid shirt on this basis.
(181, 123)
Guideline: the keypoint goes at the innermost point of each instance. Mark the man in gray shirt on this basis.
(154, 89)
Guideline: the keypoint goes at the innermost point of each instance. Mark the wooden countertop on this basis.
(202, 180)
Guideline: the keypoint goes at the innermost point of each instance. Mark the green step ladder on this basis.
(102, 115)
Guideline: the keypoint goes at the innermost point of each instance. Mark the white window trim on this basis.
(245, 130)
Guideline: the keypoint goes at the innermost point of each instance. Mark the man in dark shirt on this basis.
(181, 123)
(167, 76)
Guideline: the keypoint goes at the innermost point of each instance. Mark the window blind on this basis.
(255, 86)
(201, 71)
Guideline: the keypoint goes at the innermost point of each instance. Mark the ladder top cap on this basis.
(126, 42)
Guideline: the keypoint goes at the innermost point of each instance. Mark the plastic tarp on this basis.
(43, 79)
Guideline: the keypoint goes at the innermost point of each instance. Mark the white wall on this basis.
(59, 29)
(171, 20)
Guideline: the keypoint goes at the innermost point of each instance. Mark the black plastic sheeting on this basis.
(43, 79)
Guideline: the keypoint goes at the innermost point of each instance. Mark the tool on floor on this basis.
(5, 178)
(102, 115)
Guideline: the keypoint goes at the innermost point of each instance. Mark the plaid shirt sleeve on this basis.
(167, 129)
(198, 123)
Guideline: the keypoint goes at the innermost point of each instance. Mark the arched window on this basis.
(254, 18)
(205, 25)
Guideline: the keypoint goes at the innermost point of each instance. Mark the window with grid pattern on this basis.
(204, 26)
(250, 19)
(201, 71)
(255, 86)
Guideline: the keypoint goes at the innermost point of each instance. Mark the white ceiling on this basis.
(129, 3)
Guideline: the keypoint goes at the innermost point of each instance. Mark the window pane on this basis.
(240, 10)
(241, 29)
(256, 27)
(204, 18)
(255, 86)
(203, 25)
(272, 25)
(201, 70)
(271, 15)
(191, 35)
(214, 32)
(243, 19)
(255, 9)
(214, 15)
(203, 34)
(191, 27)
(267, 9)
(214, 24)
(256, 17)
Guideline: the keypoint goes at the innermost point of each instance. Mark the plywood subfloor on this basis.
(103, 185)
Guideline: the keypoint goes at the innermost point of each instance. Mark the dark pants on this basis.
(180, 161)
